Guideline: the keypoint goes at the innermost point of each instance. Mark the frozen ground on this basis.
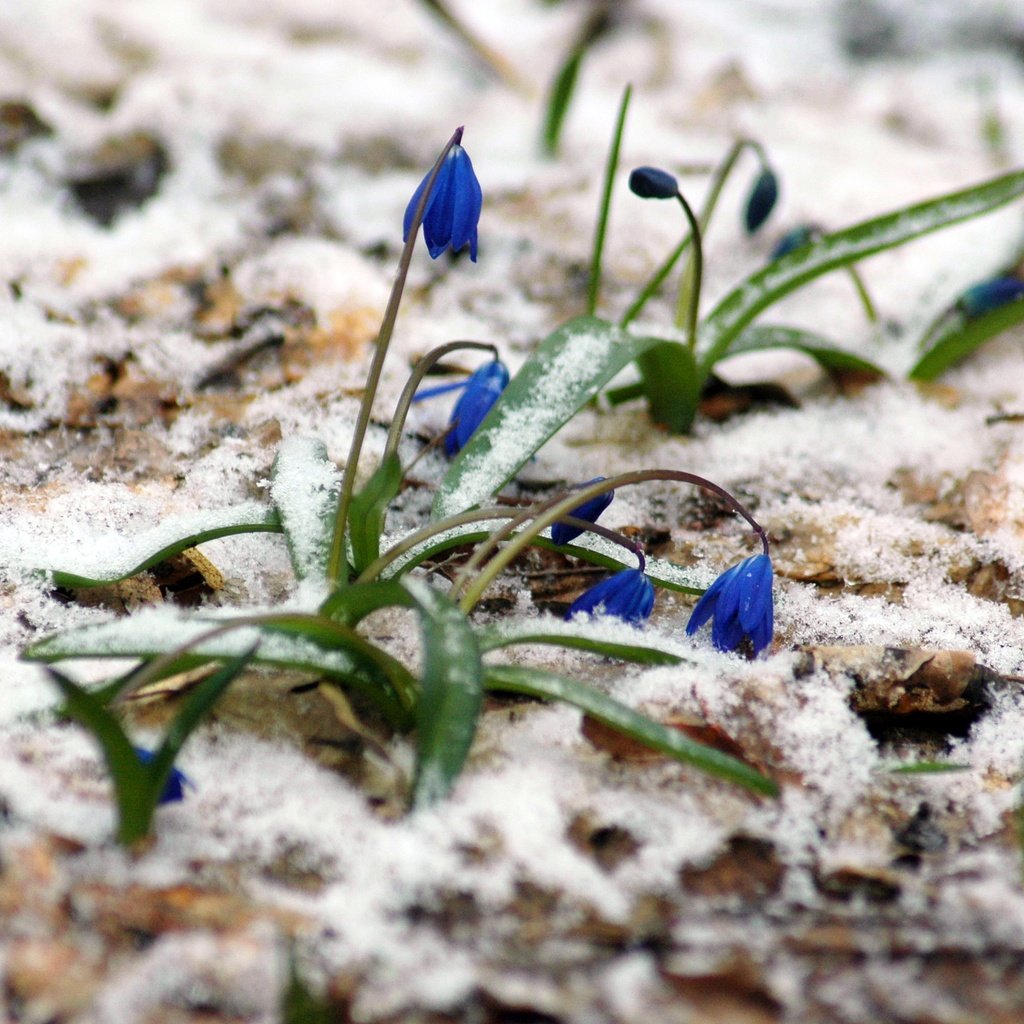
(564, 880)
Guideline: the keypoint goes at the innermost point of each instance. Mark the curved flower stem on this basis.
(718, 180)
(419, 371)
(689, 297)
(425, 533)
(336, 558)
(544, 514)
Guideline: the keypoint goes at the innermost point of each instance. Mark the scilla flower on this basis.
(653, 183)
(174, 787)
(763, 197)
(796, 238)
(740, 603)
(627, 595)
(561, 533)
(453, 208)
(989, 295)
(481, 390)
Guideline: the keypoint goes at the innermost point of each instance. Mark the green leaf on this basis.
(547, 686)
(784, 275)
(956, 336)
(567, 370)
(567, 634)
(671, 384)
(558, 102)
(352, 604)
(169, 539)
(138, 786)
(149, 634)
(828, 356)
(451, 694)
(927, 768)
(304, 487)
(368, 509)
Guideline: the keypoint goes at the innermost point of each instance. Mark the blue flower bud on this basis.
(740, 602)
(453, 209)
(482, 390)
(174, 787)
(627, 595)
(762, 200)
(795, 239)
(561, 533)
(989, 295)
(653, 183)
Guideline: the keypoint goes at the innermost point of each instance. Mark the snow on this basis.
(359, 98)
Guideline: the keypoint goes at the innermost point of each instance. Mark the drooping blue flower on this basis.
(740, 602)
(795, 239)
(453, 208)
(482, 390)
(562, 533)
(174, 787)
(653, 183)
(761, 202)
(627, 595)
(989, 295)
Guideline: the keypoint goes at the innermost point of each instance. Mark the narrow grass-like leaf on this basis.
(352, 604)
(130, 777)
(568, 369)
(672, 385)
(927, 768)
(171, 538)
(149, 634)
(451, 694)
(604, 210)
(558, 101)
(784, 275)
(828, 356)
(547, 686)
(368, 509)
(956, 336)
(562, 634)
(139, 785)
(304, 488)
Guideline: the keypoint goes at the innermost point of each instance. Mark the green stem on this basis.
(696, 268)
(336, 558)
(718, 180)
(419, 371)
(594, 284)
(550, 511)
(862, 293)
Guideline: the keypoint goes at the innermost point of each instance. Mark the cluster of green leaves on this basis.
(674, 375)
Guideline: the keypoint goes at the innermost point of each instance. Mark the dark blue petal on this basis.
(627, 595)
(174, 787)
(483, 389)
(589, 510)
(762, 200)
(653, 183)
(441, 389)
(795, 239)
(989, 295)
(740, 604)
(453, 209)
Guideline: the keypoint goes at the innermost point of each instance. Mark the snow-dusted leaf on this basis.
(784, 275)
(451, 694)
(304, 489)
(84, 567)
(580, 637)
(956, 336)
(547, 686)
(349, 659)
(367, 512)
(828, 356)
(568, 369)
